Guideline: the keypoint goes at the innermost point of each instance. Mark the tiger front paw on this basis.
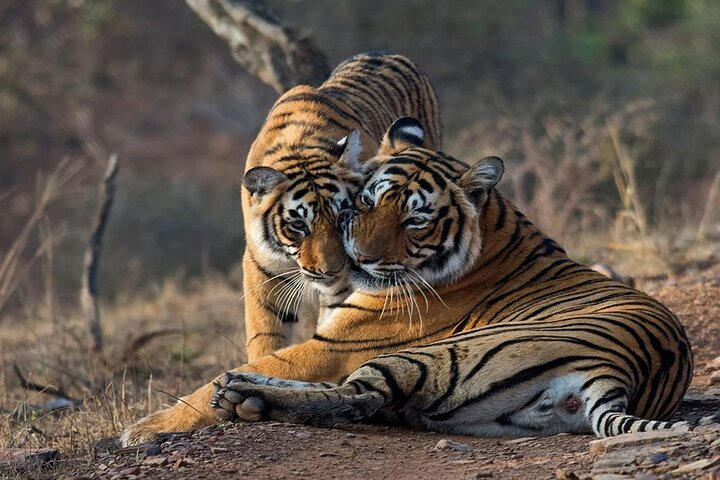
(236, 397)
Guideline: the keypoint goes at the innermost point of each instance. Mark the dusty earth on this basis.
(277, 450)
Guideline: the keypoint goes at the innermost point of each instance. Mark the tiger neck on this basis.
(510, 243)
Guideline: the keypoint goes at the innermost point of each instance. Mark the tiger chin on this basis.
(514, 337)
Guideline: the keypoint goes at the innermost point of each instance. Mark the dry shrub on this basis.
(561, 165)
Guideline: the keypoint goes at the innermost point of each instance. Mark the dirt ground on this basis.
(277, 450)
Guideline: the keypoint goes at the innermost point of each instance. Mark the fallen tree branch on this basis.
(276, 54)
(89, 289)
(141, 340)
(36, 387)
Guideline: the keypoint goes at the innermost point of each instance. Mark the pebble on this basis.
(130, 471)
(632, 439)
(446, 444)
(699, 465)
(562, 474)
(713, 365)
(657, 457)
(479, 475)
(155, 461)
(715, 378)
(303, 435)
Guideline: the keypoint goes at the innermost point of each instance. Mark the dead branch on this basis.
(89, 289)
(276, 54)
(35, 387)
(141, 340)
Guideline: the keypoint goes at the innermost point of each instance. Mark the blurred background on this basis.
(607, 112)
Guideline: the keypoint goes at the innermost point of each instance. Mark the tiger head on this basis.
(417, 217)
(292, 214)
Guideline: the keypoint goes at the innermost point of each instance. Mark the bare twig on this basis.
(276, 54)
(35, 387)
(710, 206)
(141, 340)
(89, 290)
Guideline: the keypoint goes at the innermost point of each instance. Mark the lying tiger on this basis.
(507, 336)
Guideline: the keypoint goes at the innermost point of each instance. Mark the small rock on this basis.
(562, 474)
(350, 435)
(446, 444)
(480, 475)
(130, 471)
(709, 419)
(520, 440)
(303, 435)
(462, 462)
(155, 461)
(657, 457)
(218, 450)
(699, 465)
(23, 458)
(713, 365)
(632, 439)
(715, 378)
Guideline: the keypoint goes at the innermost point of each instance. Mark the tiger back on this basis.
(301, 174)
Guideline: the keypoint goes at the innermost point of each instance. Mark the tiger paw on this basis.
(235, 397)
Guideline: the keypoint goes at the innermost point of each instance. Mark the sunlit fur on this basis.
(525, 342)
(305, 165)
(312, 152)
(520, 340)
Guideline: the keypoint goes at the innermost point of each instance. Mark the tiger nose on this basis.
(363, 258)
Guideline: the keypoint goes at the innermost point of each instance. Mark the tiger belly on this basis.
(540, 408)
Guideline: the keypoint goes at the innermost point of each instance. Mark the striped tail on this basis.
(611, 423)
(607, 410)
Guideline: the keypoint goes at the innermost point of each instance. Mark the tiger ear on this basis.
(403, 134)
(349, 149)
(262, 180)
(482, 177)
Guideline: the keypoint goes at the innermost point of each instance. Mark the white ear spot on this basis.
(413, 131)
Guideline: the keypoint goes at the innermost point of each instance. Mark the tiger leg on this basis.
(309, 361)
(251, 398)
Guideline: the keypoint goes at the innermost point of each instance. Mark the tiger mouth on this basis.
(361, 278)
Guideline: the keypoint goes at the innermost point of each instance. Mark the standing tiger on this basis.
(301, 174)
(517, 339)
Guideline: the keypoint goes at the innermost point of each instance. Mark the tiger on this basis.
(517, 339)
(493, 298)
(301, 173)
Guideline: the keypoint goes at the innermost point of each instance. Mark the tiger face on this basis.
(295, 212)
(417, 217)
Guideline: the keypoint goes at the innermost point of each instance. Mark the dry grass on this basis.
(134, 378)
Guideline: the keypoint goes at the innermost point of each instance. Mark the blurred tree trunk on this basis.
(276, 54)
